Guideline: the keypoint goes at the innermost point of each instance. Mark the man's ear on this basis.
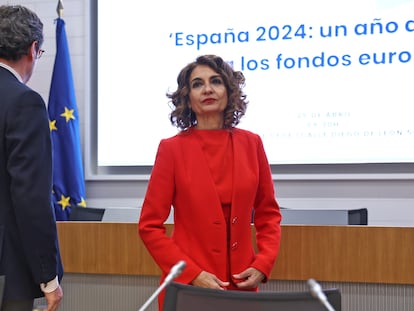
(33, 50)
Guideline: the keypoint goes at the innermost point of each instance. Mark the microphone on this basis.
(175, 271)
(317, 292)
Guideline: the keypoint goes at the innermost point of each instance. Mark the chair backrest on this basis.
(2, 284)
(186, 297)
(79, 213)
(358, 216)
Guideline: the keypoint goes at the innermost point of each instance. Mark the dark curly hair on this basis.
(183, 118)
(19, 28)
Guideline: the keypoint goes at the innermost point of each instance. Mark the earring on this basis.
(190, 120)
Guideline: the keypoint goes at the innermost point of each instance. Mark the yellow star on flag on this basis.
(82, 203)
(64, 201)
(52, 125)
(68, 114)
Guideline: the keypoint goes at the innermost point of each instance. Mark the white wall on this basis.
(389, 202)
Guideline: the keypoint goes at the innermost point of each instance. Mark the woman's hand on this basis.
(249, 278)
(208, 280)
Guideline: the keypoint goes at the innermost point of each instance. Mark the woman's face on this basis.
(208, 93)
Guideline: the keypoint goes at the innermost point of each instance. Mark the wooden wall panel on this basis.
(347, 253)
(326, 253)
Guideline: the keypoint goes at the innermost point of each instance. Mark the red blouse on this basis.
(217, 147)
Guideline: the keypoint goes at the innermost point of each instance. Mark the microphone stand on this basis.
(175, 271)
(153, 296)
(317, 292)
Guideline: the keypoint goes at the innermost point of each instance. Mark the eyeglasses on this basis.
(39, 53)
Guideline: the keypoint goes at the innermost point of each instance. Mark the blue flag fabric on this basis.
(68, 176)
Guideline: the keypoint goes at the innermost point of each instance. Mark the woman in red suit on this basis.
(215, 176)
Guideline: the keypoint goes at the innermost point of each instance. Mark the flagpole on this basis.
(59, 9)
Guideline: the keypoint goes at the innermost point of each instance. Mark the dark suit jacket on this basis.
(29, 252)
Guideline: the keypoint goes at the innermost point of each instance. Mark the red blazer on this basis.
(181, 178)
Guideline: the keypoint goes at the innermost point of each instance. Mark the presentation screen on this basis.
(328, 82)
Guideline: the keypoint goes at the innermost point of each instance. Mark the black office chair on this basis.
(358, 216)
(79, 213)
(2, 284)
(189, 298)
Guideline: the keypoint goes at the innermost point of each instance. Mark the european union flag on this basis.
(68, 177)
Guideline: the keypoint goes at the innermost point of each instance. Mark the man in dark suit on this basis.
(29, 249)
